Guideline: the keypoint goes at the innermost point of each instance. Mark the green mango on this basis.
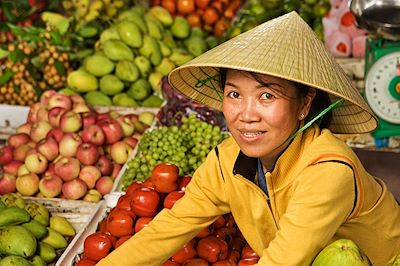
(196, 45)
(36, 228)
(46, 252)
(14, 261)
(122, 99)
(127, 70)
(144, 65)
(151, 49)
(130, 33)
(111, 85)
(152, 101)
(98, 65)
(17, 240)
(134, 16)
(55, 239)
(97, 98)
(166, 66)
(162, 15)
(180, 28)
(117, 50)
(38, 261)
(140, 90)
(82, 81)
(109, 34)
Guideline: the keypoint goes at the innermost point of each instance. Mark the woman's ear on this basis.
(307, 102)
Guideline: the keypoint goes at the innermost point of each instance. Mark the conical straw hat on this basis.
(284, 47)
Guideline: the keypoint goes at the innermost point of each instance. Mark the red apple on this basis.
(93, 134)
(7, 183)
(24, 128)
(32, 114)
(55, 133)
(116, 170)
(81, 108)
(43, 114)
(54, 116)
(6, 154)
(88, 118)
(60, 100)
(68, 144)
(102, 116)
(87, 153)
(18, 139)
(20, 152)
(46, 95)
(67, 168)
(92, 196)
(50, 186)
(120, 152)
(112, 129)
(104, 165)
(76, 98)
(104, 185)
(22, 170)
(12, 167)
(27, 185)
(70, 122)
(132, 117)
(48, 147)
(40, 130)
(127, 126)
(131, 141)
(89, 174)
(51, 168)
(74, 189)
(36, 163)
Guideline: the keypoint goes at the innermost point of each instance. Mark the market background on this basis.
(86, 111)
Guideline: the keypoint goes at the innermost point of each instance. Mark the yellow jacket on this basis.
(318, 192)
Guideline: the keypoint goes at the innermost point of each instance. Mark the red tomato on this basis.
(202, 4)
(103, 226)
(169, 5)
(195, 262)
(183, 182)
(170, 263)
(212, 249)
(226, 262)
(248, 252)
(120, 223)
(206, 231)
(185, 6)
(173, 197)
(148, 183)
(248, 261)
(220, 222)
(224, 234)
(86, 262)
(233, 255)
(96, 246)
(188, 251)
(121, 240)
(134, 185)
(142, 222)
(124, 203)
(145, 201)
(165, 177)
(238, 243)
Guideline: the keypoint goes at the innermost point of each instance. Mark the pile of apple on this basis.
(66, 149)
(218, 244)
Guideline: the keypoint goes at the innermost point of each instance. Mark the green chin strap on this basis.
(336, 104)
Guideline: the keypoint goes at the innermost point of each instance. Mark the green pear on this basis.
(166, 66)
(155, 80)
(130, 33)
(82, 81)
(180, 28)
(62, 225)
(117, 50)
(98, 65)
(127, 70)
(139, 90)
(144, 65)
(97, 98)
(111, 85)
(122, 99)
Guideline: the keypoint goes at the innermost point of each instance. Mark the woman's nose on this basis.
(248, 112)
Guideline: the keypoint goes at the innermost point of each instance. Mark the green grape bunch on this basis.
(186, 146)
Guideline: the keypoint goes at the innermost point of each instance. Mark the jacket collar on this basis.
(245, 166)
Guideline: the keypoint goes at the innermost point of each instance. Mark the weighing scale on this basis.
(382, 63)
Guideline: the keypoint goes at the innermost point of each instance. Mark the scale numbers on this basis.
(382, 87)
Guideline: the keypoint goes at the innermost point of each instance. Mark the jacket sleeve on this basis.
(203, 202)
(323, 198)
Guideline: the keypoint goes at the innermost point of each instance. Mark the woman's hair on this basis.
(320, 102)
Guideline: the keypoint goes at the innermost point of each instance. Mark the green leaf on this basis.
(60, 67)
(17, 89)
(16, 56)
(3, 53)
(57, 20)
(7, 75)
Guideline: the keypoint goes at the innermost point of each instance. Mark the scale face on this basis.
(382, 87)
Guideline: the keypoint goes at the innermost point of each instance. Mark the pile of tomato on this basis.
(220, 244)
(213, 16)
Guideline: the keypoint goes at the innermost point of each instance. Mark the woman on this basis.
(291, 185)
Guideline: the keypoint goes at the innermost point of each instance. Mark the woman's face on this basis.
(261, 116)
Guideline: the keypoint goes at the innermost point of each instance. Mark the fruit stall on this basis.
(94, 142)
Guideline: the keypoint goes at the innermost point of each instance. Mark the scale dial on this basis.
(382, 87)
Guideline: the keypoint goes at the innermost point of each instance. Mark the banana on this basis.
(38, 212)
(13, 216)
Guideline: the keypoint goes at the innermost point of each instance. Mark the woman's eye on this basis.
(233, 94)
(267, 96)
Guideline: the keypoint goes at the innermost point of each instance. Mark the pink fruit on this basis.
(55, 133)
(90, 174)
(131, 141)
(74, 189)
(20, 152)
(44, 98)
(27, 185)
(12, 167)
(60, 100)
(18, 139)
(50, 186)
(70, 122)
(120, 152)
(48, 147)
(88, 118)
(54, 116)
(68, 144)
(87, 153)
(40, 130)
(36, 163)
(112, 129)
(80, 108)
(7, 183)
(6, 154)
(67, 168)
(104, 185)
(93, 134)
(116, 170)
(24, 128)
(104, 165)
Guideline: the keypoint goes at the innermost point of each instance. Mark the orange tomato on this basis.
(169, 5)
(220, 27)
(194, 20)
(210, 15)
(185, 6)
(218, 6)
(231, 9)
(202, 4)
